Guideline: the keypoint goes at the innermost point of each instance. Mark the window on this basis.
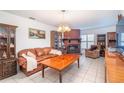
(122, 39)
(87, 41)
(90, 40)
(84, 40)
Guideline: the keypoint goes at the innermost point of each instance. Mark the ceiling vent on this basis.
(32, 18)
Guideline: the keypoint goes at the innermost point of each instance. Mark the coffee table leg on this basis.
(78, 63)
(60, 77)
(43, 72)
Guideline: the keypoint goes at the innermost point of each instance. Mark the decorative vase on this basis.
(4, 55)
(11, 45)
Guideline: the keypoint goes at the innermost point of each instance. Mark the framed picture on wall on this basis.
(36, 34)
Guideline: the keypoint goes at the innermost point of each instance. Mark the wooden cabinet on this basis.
(114, 67)
(111, 39)
(111, 35)
(7, 51)
(68, 42)
(74, 33)
(72, 41)
(9, 68)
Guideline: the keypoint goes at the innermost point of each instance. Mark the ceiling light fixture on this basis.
(62, 27)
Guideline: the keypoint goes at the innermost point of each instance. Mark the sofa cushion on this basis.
(41, 58)
(46, 50)
(39, 51)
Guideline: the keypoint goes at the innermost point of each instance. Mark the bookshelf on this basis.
(101, 42)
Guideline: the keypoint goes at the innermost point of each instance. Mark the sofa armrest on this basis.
(97, 50)
(87, 49)
(22, 61)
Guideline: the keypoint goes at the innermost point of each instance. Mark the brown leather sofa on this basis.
(41, 54)
(93, 52)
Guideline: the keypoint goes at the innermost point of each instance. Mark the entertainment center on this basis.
(70, 43)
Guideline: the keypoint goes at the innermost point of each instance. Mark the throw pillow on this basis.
(53, 51)
(24, 55)
(31, 54)
(58, 52)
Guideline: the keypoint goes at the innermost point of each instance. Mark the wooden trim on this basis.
(7, 25)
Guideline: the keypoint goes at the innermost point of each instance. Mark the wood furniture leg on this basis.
(78, 63)
(60, 77)
(43, 72)
(105, 74)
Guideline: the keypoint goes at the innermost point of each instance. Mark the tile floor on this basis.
(90, 71)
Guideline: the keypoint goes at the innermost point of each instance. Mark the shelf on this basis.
(3, 58)
(3, 38)
(112, 40)
(101, 41)
(73, 39)
(12, 38)
(3, 48)
(12, 47)
(72, 44)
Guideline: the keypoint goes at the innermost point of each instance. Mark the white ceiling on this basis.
(74, 18)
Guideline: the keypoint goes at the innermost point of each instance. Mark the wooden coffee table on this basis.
(59, 63)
